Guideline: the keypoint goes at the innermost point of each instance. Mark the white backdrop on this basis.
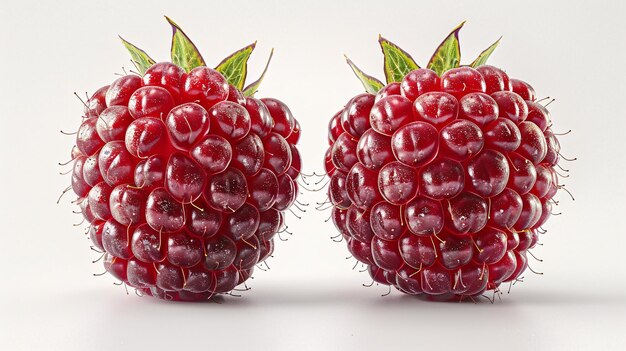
(310, 299)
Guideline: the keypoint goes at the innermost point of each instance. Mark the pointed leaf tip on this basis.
(184, 53)
(235, 66)
(371, 84)
(139, 57)
(252, 88)
(448, 53)
(398, 63)
(484, 56)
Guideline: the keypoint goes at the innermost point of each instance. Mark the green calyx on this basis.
(398, 63)
(186, 55)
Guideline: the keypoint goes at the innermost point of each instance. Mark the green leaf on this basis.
(235, 66)
(184, 52)
(252, 88)
(484, 56)
(398, 63)
(139, 57)
(448, 54)
(371, 84)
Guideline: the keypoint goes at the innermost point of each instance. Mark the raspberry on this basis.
(183, 175)
(441, 179)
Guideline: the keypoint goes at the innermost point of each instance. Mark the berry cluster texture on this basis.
(183, 179)
(439, 182)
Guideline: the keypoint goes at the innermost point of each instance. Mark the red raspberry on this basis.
(183, 177)
(443, 189)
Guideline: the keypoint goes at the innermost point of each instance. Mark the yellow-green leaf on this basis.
(448, 54)
(235, 66)
(398, 63)
(184, 52)
(484, 56)
(139, 57)
(251, 89)
(371, 84)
